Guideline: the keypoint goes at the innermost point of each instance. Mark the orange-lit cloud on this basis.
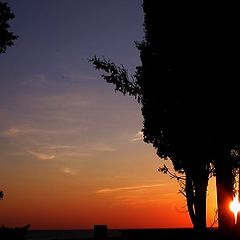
(107, 190)
(62, 147)
(69, 171)
(16, 131)
(42, 156)
(137, 137)
(102, 147)
(11, 132)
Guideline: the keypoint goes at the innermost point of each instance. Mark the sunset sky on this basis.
(71, 149)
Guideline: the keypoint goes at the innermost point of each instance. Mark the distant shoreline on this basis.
(120, 234)
(119, 229)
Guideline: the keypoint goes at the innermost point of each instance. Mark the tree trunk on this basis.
(196, 192)
(190, 199)
(200, 177)
(238, 216)
(224, 183)
(200, 205)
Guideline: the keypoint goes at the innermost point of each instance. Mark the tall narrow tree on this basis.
(190, 116)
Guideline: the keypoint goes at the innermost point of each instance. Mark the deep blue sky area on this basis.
(59, 36)
(56, 39)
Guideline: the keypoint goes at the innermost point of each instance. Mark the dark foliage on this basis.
(118, 76)
(7, 38)
(187, 85)
(1, 195)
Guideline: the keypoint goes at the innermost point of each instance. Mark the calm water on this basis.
(64, 234)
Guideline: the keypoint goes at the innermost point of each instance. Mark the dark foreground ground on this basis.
(178, 234)
(169, 234)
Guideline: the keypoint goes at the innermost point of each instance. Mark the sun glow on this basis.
(235, 207)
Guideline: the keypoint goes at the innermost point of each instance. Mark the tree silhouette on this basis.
(165, 107)
(1, 195)
(190, 116)
(157, 124)
(6, 38)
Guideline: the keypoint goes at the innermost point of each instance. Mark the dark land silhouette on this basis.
(17, 233)
(159, 234)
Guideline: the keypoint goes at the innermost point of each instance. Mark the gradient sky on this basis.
(71, 149)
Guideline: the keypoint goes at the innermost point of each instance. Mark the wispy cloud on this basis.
(16, 131)
(137, 137)
(69, 171)
(137, 201)
(66, 100)
(36, 80)
(103, 147)
(131, 188)
(55, 147)
(42, 156)
(11, 132)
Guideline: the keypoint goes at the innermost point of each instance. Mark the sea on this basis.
(66, 234)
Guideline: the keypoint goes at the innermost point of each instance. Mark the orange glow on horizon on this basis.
(66, 202)
(235, 207)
